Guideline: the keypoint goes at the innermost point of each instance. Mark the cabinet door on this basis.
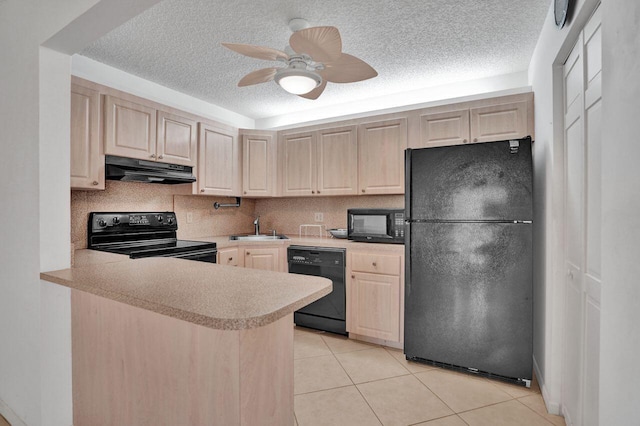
(177, 139)
(298, 164)
(381, 148)
(87, 157)
(130, 129)
(447, 128)
(375, 306)
(258, 165)
(499, 122)
(218, 161)
(229, 256)
(265, 258)
(337, 161)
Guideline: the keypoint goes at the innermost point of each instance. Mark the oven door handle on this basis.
(191, 253)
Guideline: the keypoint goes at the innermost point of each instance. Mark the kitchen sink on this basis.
(254, 237)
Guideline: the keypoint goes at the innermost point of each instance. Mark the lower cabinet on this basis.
(265, 258)
(230, 256)
(376, 296)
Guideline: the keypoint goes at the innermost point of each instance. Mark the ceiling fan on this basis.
(313, 58)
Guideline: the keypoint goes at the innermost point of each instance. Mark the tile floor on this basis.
(343, 382)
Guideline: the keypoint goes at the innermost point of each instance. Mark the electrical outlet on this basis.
(319, 217)
(189, 217)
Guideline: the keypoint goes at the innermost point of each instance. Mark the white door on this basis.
(582, 96)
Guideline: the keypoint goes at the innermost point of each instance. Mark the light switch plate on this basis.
(319, 217)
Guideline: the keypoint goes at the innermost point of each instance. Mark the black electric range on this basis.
(144, 234)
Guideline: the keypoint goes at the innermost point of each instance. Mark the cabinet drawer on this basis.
(376, 263)
(228, 256)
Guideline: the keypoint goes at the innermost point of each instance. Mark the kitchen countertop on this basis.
(211, 295)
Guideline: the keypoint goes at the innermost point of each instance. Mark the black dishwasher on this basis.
(329, 312)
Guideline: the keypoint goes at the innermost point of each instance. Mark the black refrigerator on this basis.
(468, 242)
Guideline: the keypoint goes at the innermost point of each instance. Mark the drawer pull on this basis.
(160, 157)
(475, 139)
(202, 190)
(374, 264)
(152, 156)
(94, 183)
(230, 259)
(353, 277)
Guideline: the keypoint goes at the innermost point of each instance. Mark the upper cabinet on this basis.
(87, 157)
(321, 162)
(218, 161)
(136, 130)
(259, 163)
(381, 146)
(177, 139)
(487, 120)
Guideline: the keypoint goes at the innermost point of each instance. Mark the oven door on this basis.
(199, 256)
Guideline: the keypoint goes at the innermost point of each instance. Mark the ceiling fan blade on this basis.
(315, 92)
(259, 76)
(323, 44)
(347, 69)
(258, 52)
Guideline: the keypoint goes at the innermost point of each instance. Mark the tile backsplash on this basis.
(285, 215)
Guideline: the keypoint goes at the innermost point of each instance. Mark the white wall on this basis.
(552, 49)
(35, 367)
(620, 341)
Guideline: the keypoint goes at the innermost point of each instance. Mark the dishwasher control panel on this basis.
(321, 256)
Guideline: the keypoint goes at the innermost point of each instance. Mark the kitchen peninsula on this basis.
(167, 341)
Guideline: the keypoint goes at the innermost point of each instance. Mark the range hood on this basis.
(132, 170)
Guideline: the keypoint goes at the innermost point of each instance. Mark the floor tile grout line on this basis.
(433, 392)
(369, 405)
(541, 416)
(439, 418)
(323, 390)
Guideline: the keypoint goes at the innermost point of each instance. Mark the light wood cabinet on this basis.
(259, 164)
(321, 162)
(230, 256)
(177, 141)
(376, 295)
(87, 156)
(381, 148)
(499, 122)
(487, 120)
(445, 128)
(136, 130)
(130, 129)
(265, 258)
(218, 161)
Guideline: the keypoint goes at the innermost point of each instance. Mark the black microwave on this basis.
(376, 225)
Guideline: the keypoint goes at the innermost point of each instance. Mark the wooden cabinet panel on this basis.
(376, 263)
(499, 122)
(218, 161)
(87, 157)
(177, 139)
(258, 164)
(381, 148)
(337, 161)
(446, 128)
(265, 258)
(230, 256)
(375, 305)
(130, 129)
(298, 165)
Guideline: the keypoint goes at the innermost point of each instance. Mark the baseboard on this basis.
(11, 417)
(552, 406)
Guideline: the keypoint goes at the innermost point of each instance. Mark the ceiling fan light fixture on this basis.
(297, 81)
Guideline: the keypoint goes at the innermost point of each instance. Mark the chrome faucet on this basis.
(256, 223)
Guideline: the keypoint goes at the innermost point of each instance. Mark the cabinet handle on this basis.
(475, 139)
(374, 264)
(152, 156)
(160, 157)
(464, 141)
(313, 192)
(248, 254)
(202, 190)
(363, 190)
(245, 192)
(353, 277)
(318, 192)
(230, 259)
(94, 183)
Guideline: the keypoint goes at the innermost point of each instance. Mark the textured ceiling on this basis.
(412, 44)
